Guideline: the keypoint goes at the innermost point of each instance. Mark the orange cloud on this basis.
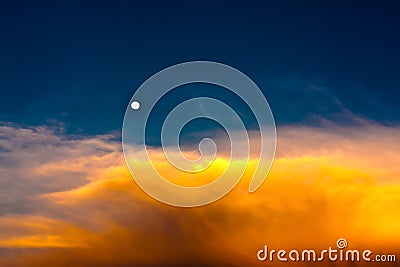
(325, 183)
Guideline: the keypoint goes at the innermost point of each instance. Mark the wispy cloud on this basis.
(71, 201)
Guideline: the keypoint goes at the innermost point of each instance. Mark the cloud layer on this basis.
(70, 201)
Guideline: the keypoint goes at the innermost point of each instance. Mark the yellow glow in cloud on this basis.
(324, 184)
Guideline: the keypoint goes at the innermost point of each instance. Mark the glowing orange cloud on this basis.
(325, 183)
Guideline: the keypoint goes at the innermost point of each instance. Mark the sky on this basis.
(68, 70)
(77, 62)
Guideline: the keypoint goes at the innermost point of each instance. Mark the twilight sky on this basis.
(81, 62)
(329, 70)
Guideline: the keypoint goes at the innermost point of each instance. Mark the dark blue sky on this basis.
(80, 63)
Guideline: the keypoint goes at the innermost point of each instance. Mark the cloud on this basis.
(35, 161)
(70, 201)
